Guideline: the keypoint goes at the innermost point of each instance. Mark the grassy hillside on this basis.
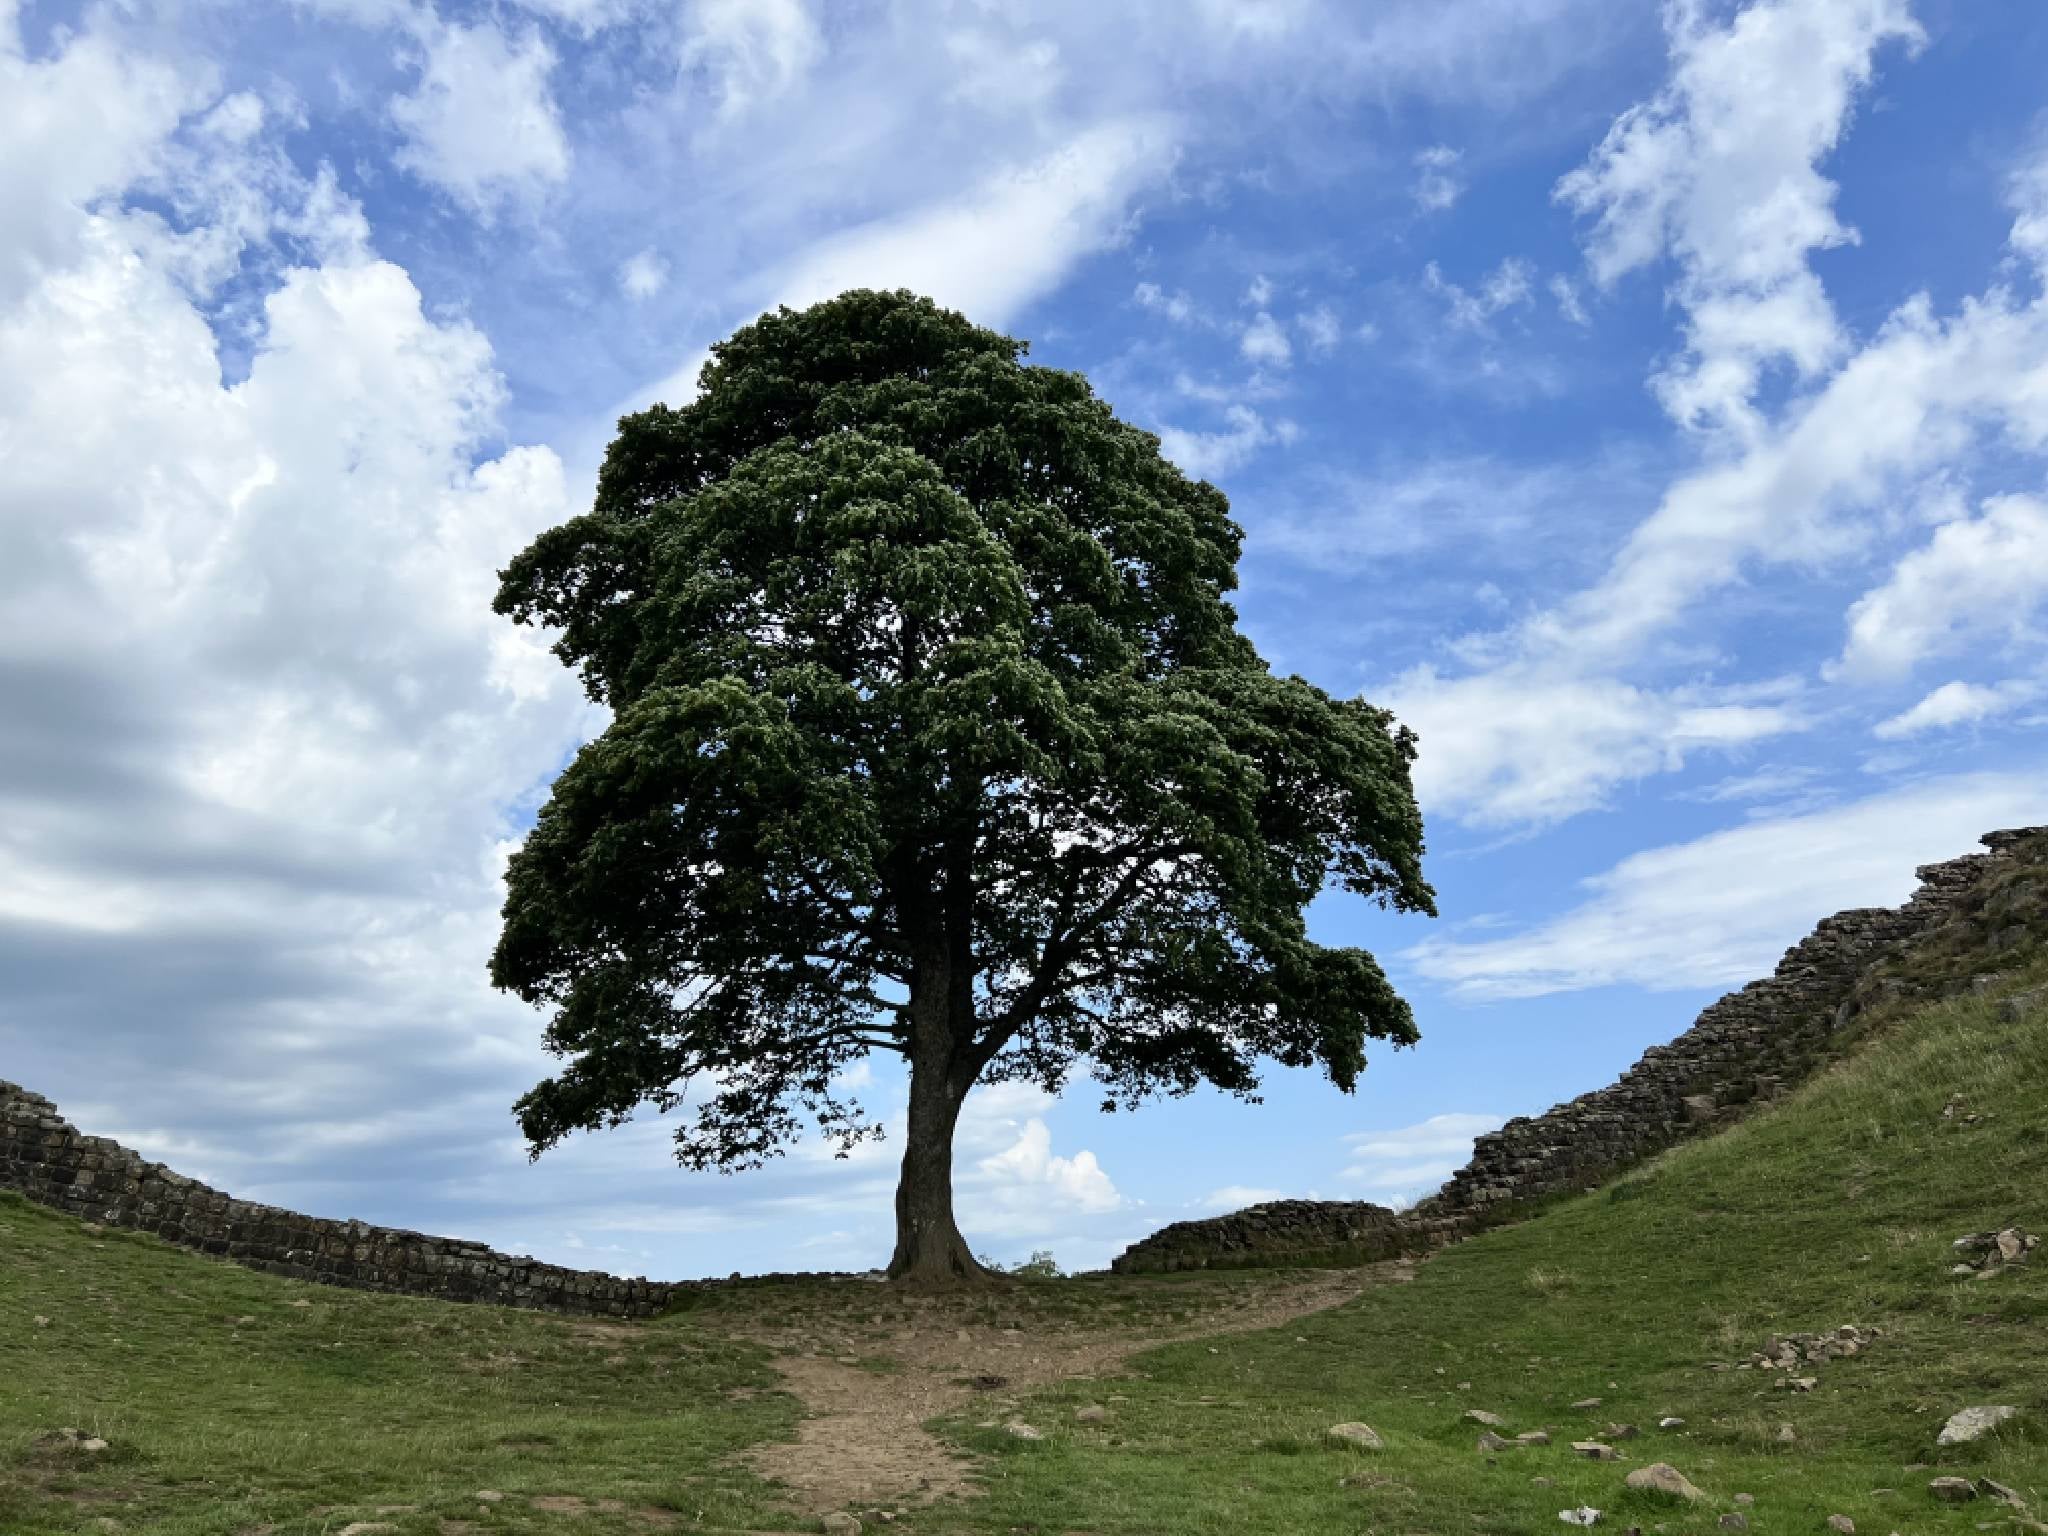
(1838, 1206)
(234, 1403)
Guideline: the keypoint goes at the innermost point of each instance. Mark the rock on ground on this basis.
(1953, 1490)
(1970, 1424)
(1662, 1477)
(1363, 1436)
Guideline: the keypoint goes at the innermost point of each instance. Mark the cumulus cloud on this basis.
(1506, 287)
(1977, 578)
(1569, 305)
(481, 123)
(1208, 454)
(1719, 910)
(1176, 306)
(1322, 328)
(1954, 704)
(1532, 745)
(1437, 182)
(643, 274)
(1264, 344)
(751, 51)
(1720, 169)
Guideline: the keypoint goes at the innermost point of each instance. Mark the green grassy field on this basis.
(1836, 1207)
(233, 1402)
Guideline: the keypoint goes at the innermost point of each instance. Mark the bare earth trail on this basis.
(872, 1365)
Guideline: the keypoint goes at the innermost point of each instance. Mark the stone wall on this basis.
(1751, 1045)
(1334, 1232)
(45, 1158)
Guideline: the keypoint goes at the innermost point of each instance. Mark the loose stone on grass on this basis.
(1489, 1441)
(1361, 1437)
(1090, 1413)
(1953, 1490)
(1595, 1450)
(1970, 1424)
(839, 1523)
(1018, 1429)
(1481, 1416)
(1662, 1477)
(1842, 1525)
(1585, 1514)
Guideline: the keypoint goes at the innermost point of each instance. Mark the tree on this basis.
(932, 733)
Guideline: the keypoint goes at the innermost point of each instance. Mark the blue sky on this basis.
(1649, 404)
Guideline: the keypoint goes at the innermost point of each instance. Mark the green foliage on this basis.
(932, 733)
(1040, 1266)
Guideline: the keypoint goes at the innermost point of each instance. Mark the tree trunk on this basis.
(929, 1247)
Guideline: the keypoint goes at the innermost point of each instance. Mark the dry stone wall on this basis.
(1752, 1045)
(46, 1159)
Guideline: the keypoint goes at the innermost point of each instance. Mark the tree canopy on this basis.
(932, 733)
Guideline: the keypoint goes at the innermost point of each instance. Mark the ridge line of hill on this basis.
(1751, 1046)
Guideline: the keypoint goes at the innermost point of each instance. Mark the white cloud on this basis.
(1259, 293)
(1954, 704)
(1322, 328)
(1807, 486)
(89, 121)
(1264, 344)
(1401, 1166)
(1206, 455)
(1004, 243)
(1778, 782)
(481, 124)
(1566, 293)
(1976, 578)
(266, 740)
(751, 51)
(643, 274)
(1437, 182)
(1530, 745)
(2028, 194)
(1176, 306)
(1076, 1181)
(1719, 910)
(1720, 168)
(1506, 287)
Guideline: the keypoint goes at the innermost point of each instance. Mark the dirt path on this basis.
(872, 1366)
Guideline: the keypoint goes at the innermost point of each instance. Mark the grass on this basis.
(236, 1403)
(1837, 1206)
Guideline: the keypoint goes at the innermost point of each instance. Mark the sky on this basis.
(1649, 405)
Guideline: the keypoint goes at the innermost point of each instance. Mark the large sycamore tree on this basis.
(932, 733)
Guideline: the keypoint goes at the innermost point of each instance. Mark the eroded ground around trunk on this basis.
(872, 1364)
